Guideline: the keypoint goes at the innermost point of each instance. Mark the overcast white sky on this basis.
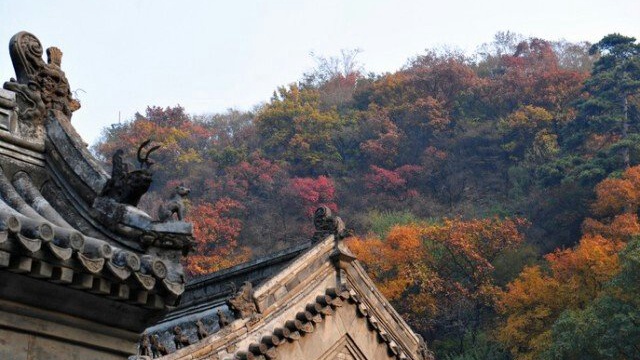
(212, 55)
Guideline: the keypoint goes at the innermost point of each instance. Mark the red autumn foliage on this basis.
(216, 228)
(313, 192)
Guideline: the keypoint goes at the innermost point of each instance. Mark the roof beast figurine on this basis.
(125, 186)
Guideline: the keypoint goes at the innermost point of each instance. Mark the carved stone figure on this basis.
(242, 303)
(31, 108)
(157, 348)
(327, 224)
(202, 331)
(175, 204)
(145, 345)
(41, 86)
(223, 319)
(179, 338)
(127, 186)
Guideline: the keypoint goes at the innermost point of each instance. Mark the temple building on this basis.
(85, 274)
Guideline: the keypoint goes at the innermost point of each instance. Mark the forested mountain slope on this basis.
(494, 196)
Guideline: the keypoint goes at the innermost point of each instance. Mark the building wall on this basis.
(25, 346)
(34, 334)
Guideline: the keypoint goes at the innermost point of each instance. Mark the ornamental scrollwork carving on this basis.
(39, 86)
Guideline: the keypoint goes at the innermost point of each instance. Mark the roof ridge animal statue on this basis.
(127, 186)
(174, 205)
(180, 339)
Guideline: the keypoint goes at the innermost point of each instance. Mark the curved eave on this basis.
(298, 300)
(35, 240)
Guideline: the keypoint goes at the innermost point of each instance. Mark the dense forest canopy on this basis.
(495, 196)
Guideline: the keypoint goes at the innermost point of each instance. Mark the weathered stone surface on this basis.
(242, 302)
(8, 115)
(91, 277)
(174, 205)
(126, 185)
(39, 86)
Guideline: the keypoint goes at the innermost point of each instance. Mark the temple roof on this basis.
(316, 294)
(73, 241)
(63, 218)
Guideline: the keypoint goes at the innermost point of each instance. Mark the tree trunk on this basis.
(625, 131)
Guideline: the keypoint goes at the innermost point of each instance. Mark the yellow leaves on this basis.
(405, 238)
(391, 261)
(528, 117)
(614, 195)
(587, 266)
(189, 156)
(528, 132)
(393, 289)
(295, 128)
(545, 146)
(535, 300)
(532, 302)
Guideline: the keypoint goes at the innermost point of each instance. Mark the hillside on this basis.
(494, 196)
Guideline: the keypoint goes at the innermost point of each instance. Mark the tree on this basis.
(216, 228)
(614, 93)
(335, 77)
(293, 128)
(310, 193)
(550, 297)
(609, 327)
(398, 184)
(535, 300)
(440, 275)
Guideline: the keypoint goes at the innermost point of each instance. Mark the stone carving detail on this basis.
(223, 319)
(202, 331)
(168, 240)
(8, 115)
(174, 205)
(41, 86)
(31, 108)
(327, 224)
(180, 339)
(145, 345)
(157, 348)
(242, 303)
(127, 186)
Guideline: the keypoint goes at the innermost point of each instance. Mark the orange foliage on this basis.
(615, 196)
(438, 267)
(622, 228)
(533, 301)
(586, 267)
